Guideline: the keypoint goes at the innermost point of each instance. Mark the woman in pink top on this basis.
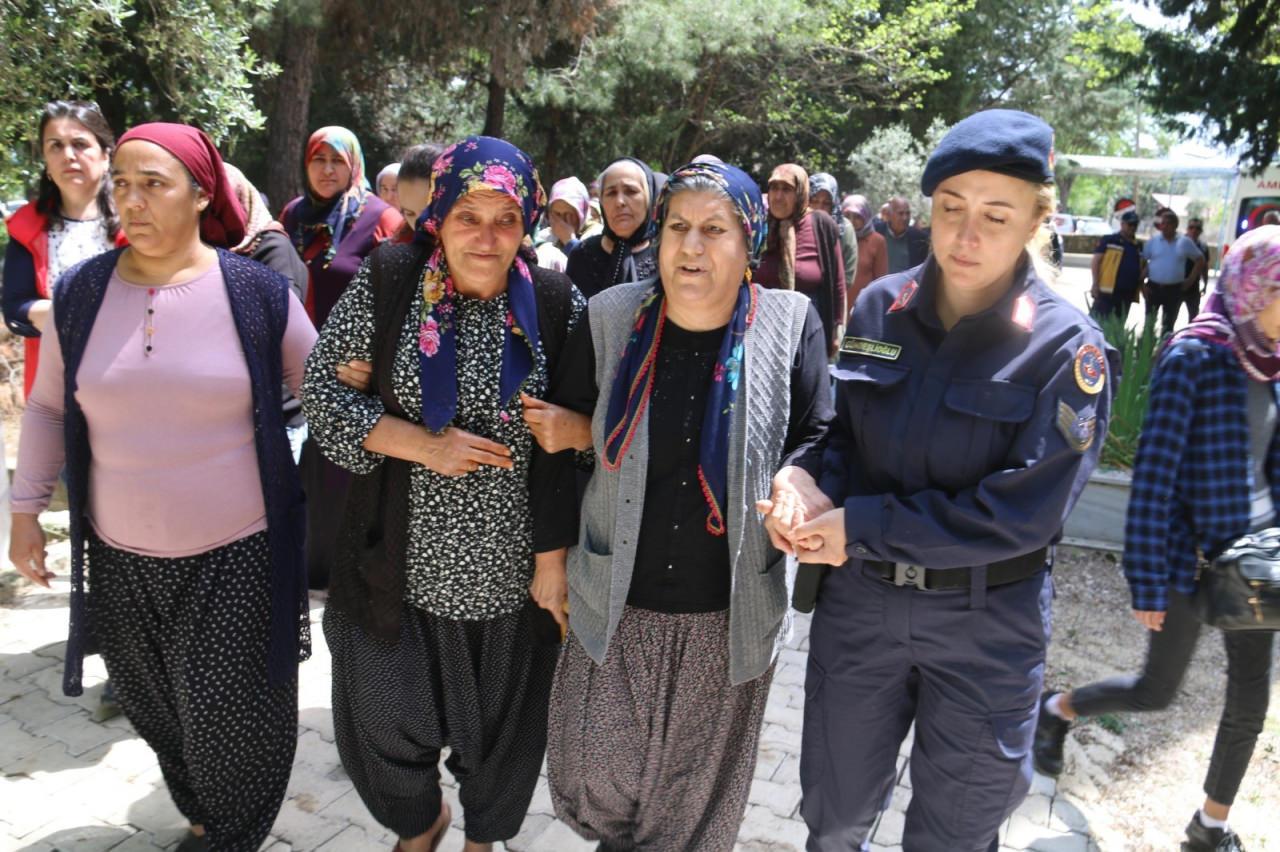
(161, 393)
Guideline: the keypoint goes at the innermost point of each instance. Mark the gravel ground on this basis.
(1142, 773)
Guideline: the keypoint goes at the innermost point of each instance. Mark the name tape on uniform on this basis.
(873, 348)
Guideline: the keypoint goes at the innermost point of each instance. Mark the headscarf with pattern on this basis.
(1249, 282)
(633, 383)
(477, 163)
(257, 218)
(782, 232)
(332, 218)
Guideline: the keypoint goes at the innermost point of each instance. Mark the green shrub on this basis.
(1138, 350)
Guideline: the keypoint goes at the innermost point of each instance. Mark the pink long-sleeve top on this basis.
(164, 386)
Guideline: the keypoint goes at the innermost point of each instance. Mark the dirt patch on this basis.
(1140, 776)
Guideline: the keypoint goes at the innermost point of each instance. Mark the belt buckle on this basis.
(908, 575)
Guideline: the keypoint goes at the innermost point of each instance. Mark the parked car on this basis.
(1063, 223)
(1092, 225)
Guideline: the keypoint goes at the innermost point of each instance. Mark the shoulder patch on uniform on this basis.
(1024, 312)
(905, 295)
(873, 348)
(1090, 368)
(1078, 427)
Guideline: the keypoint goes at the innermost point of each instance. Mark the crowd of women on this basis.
(549, 459)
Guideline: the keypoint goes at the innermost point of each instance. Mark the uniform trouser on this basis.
(965, 666)
(1166, 298)
(1168, 654)
(185, 643)
(479, 687)
(1191, 296)
(1108, 304)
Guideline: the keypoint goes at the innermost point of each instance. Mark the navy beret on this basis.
(997, 140)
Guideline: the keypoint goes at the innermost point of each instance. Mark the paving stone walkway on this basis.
(70, 783)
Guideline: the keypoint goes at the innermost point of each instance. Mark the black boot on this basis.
(1203, 839)
(1051, 733)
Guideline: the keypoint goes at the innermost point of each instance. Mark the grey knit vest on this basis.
(600, 567)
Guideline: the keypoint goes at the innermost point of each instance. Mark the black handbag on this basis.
(1240, 590)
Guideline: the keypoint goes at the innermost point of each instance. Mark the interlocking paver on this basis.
(74, 784)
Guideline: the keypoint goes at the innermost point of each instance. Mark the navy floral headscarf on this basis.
(634, 381)
(477, 163)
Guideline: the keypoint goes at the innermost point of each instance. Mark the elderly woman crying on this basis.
(431, 618)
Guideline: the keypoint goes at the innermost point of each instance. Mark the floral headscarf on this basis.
(1250, 281)
(476, 163)
(332, 218)
(634, 380)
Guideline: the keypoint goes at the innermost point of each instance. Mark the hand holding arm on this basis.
(555, 427)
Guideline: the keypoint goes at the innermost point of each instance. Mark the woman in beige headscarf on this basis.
(802, 251)
(265, 239)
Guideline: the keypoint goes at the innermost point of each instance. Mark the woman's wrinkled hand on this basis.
(356, 374)
(1150, 619)
(550, 586)
(796, 498)
(26, 548)
(454, 452)
(555, 427)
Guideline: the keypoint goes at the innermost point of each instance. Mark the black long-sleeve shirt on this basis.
(680, 566)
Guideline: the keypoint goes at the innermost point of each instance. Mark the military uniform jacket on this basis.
(966, 447)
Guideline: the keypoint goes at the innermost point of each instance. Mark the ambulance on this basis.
(1253, 198)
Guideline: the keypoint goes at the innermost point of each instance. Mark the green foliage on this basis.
(1223, 66)
(1056, 60)
(757, 82)
(183, 60)
(1138, 350)
(891, 161)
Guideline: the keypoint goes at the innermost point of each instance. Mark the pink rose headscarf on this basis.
(1249, 282)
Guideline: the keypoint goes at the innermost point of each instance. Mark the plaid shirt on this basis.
(1193, 475)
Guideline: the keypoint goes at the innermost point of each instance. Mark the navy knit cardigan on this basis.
(260, 307)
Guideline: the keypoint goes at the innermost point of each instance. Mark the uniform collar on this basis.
(1017, 307)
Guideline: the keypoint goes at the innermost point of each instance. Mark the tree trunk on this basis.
(287, 121)
(551, 155)
(495, 112)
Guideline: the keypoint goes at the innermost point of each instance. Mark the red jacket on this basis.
(30, 229)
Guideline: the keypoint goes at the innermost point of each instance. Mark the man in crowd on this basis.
(908, 245)
(1167, 255)
(1118, 268)
(1192, 294)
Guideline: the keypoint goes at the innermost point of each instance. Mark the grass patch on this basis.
(1111, 722)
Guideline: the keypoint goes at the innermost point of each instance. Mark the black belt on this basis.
(944, 579)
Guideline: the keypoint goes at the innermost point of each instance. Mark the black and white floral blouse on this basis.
(470, 547)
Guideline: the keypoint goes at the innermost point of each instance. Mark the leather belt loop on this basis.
(978, 587)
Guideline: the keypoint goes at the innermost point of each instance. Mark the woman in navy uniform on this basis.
(972, 401)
